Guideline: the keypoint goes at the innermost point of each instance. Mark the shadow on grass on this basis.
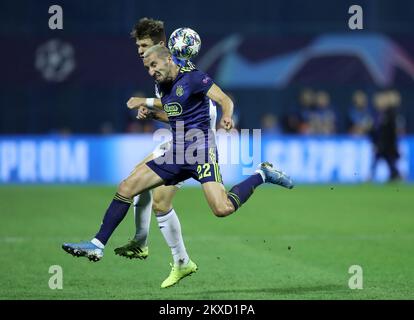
(329, 288)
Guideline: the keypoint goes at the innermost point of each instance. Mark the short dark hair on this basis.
(149, 28)
(160, 50)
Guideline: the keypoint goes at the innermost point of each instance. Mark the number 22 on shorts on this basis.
(205, 173)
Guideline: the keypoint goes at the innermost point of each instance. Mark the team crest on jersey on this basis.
(173, 109)
(179, 91)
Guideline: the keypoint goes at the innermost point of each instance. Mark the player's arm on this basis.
(148, 108)
(145, 113)
(159, 115)
(217, 95)
(137, 102)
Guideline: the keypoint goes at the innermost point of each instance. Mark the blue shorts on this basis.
(173, 173)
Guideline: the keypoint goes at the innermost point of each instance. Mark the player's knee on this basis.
(125, 189)
(143, 199)
(161, 206)
(221, 211)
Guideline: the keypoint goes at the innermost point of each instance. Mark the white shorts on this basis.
(159, 150)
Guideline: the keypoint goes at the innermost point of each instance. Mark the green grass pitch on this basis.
(282, 244)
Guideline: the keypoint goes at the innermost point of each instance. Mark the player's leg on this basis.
(391, 160)
(376, 159)
(138, 246)
(170, 228)
(218, 199)
(141, 179)
(224, 203)
(162, 199)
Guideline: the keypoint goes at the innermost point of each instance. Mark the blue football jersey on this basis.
(187, 106)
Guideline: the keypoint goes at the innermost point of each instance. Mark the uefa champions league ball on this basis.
(184, 43)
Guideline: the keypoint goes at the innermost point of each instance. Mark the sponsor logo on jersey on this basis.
(173, 109)
(179, 91)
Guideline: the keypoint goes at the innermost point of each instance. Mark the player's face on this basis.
(159, 69)
(143, 45)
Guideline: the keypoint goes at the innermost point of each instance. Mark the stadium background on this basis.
(64, 121)
(77, 80)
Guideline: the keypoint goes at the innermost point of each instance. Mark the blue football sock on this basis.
(242, 191)
(113, 216)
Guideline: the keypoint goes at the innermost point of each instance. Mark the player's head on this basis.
(360, 99)
(147, 33)
(380, 101)
(159, 63)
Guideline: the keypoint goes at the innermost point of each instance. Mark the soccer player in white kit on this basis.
(148, 32)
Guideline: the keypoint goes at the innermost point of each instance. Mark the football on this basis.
(184, 43)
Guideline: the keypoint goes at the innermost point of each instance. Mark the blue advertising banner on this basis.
(108, 159)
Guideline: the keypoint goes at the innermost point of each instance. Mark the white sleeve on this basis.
(157, 91)
(213, 115)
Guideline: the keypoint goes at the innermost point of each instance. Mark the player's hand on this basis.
(226, 123)
(143, 113)
(135, 102)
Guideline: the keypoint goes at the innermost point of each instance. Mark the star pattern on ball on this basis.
(180, 44)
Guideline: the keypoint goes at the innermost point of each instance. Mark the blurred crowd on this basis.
(376, 117)
(316, 115)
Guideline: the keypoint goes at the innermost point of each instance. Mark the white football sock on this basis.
(98, 243)
(260, 171)
(171, 230)
(142, 214)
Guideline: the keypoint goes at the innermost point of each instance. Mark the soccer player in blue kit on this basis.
(185, 94)
(147, 33)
